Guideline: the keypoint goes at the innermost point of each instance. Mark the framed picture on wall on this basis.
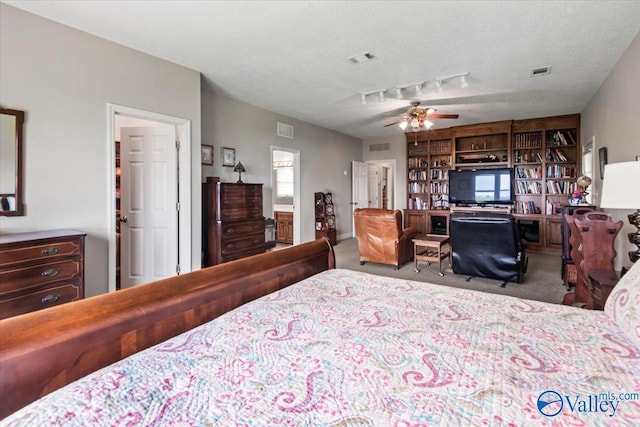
(228, 156)
(602, 158)
(206, 154)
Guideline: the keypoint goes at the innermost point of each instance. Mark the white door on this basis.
(359, 190)
(373, 186)
(149, 197)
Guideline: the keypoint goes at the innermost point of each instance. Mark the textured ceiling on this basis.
(291, 57)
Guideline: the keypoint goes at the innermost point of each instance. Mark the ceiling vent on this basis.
(380, 147)
(285, 131)
(543, 71)
(362, 57)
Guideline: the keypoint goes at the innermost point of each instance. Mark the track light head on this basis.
(463, 81)
(419, 89)
(438, 86)
(363, 99)
(399, 92)
(381, 95)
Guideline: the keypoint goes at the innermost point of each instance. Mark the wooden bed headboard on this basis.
(45, 350)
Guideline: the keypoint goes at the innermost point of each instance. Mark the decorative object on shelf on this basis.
(619, 192)
(584, 182)
(239, 168)
(325, 217)
(228, 156)
(206, 154)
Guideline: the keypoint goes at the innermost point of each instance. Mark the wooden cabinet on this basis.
(543, 152)
(233, 224)
(39, 270)
(284, 227)
(325, 217)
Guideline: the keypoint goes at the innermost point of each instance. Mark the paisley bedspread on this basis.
(344, 348)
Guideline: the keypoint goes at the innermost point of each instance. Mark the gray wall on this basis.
(324, 155)
(63, 79)
(612, 117)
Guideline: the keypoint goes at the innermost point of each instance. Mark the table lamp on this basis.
(239, 168)
(620, 191)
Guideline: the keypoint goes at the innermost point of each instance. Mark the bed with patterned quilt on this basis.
(345, 348)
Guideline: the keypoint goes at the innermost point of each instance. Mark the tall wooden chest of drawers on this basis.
(39, 270)
(233, 223)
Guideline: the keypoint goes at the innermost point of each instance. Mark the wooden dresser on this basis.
(233, 223)
(40, 269)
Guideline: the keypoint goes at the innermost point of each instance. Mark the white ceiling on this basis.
(291, 57)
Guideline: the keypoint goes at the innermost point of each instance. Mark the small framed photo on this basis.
(206, 154)
(228, 156)
(602, 157)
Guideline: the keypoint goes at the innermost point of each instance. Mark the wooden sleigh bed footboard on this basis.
(45, 350)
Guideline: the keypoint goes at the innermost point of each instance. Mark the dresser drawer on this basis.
(38, 300)
(242, 243)
(9, 256)
(235, 214)
(231, 230)
(20, 278)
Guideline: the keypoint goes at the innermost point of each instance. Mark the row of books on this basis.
(526, 208)
(561, 187)
(418, 203)
(417, 162)
(439, 174)
(532, 173)
(437, 187)
(560, 137)
(441, 147)
(415, 175)
(553, 208)
(415, 187)
(527, 140)
(556, 155)
(527, 156)
(558, 171)
(418, 150)
(439, 201)
(528, 187)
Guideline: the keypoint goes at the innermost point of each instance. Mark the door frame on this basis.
(183, 133)
(296, 188)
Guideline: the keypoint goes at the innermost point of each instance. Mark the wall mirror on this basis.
(11, 123)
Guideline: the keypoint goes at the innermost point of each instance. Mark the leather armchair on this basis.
(487, 245)
(381, 237)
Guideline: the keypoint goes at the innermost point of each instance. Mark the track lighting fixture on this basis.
(417, 87)
(363, 98)
(399, 92)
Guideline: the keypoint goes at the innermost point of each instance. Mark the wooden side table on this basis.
(602, 283)
(431, 248)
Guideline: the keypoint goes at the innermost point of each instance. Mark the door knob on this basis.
(124, 219)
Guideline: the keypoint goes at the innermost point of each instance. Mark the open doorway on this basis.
(159, 182)
(285, 185)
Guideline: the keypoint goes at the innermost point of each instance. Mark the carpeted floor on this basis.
(542, 281)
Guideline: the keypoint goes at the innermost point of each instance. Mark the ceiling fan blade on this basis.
(394, 123)
(442, 116)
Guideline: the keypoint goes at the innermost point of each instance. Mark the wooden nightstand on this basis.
(602, 283)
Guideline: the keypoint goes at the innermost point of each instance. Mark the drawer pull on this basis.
(256, 226)
(50, 298)
(52, 272)
(230, 230)
(231, 246)
(50, 251)
(257, 242)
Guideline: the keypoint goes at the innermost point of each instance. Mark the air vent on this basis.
(285, 131)
(380, 147)
(362, 57)
(543, 71)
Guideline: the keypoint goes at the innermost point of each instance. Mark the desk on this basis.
(431, 248)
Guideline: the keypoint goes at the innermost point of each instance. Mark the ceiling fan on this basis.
(417, 117)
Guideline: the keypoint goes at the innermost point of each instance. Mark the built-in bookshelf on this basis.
(543, 152)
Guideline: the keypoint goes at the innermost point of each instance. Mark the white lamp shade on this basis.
(620, 186)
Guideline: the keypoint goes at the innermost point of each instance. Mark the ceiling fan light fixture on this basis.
(415, 123)
(403, 124)
(427, 124)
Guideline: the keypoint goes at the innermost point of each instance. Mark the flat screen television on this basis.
(482, 187)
